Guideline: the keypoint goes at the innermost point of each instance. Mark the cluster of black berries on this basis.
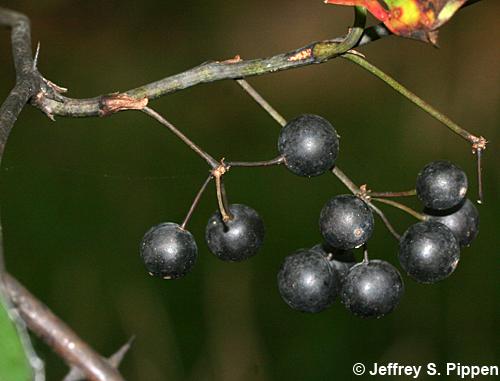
(310, 279)
(308, 145)
(430, 250)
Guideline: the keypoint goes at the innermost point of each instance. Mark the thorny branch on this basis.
(32, 87)
(58, 335)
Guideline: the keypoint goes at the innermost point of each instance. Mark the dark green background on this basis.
(78, 194)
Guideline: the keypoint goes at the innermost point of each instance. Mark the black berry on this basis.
(372, 289)
(168, 251)
(309, 145)
(441, 185)
(237, 239)
(462, 220)
(346, 222)
(429, 252)
(340, 260)
(307, 282)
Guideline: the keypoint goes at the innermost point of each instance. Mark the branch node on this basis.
(301, 55)
(478, 144)
(364, 193)
(237, 58)
(37, 101)
(115, 102)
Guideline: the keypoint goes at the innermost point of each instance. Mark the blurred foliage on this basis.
(14, 365)
(78, 194)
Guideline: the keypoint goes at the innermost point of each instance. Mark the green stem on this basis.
(357, 59)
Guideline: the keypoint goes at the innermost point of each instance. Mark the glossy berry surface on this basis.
(168, 251)
(346, 222)
(237, 239)
(429, 252)
(307, 282)
(373, 289)
(309, 144)
(340, 260)
(441, 185)
(462, 220)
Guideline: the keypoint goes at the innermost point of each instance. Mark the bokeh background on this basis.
(78, 194)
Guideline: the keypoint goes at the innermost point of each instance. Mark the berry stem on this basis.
(221, 192)
(366, 259)
(479, 153)
(209, 159)
(196, 201)
(412, 192)
(261, 101)
(346, 180)
(357, 59)
(385, 220)
(404, 208)
(276, 161)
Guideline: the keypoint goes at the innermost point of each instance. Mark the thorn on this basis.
(114, 360)
(37, 53)
(117, 357)
(58, 89)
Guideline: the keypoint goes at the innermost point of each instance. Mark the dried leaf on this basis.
(418, 19)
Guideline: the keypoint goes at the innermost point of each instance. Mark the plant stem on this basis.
(209, 159)
(196, 201)
(412, 192)
(276, 161)
(402, 207)
(411, 96)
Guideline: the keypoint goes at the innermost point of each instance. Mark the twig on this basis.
(315, 52)
(58, 335)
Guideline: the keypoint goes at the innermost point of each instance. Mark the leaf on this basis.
(14, 363)
(418, 19)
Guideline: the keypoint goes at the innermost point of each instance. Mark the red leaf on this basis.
(418, 19)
